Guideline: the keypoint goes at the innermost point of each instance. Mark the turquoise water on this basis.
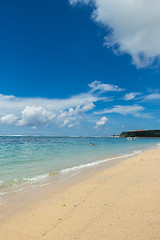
(30, 159)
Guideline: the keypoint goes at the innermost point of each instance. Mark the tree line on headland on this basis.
(141, 133)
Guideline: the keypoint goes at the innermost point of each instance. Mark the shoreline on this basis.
(25, 198)
(28, 194)
(113, 203)
(48, 178)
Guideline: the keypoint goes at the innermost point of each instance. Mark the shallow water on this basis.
(31, 159)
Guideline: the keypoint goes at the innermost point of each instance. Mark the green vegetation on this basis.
(141, 133)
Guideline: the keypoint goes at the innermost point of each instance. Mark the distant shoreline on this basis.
(147, 137)
(142, 133)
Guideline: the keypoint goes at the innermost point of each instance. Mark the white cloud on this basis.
(35, 116)
(124, 110)
(73, 125)
(9, 119)
(101, 122)
(66, 121)
(133, 24)
(153, 96)
(82, 1)
(8, 97)
(97, 85)
(130, 96)
(87, 107)
(72, 114)
(83, 102)
(41, 111)
(15, 104)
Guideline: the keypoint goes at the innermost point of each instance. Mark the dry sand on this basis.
(119, 203)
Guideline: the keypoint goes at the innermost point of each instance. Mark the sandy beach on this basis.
(121, 202)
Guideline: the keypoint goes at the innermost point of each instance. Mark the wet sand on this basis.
(118, 203)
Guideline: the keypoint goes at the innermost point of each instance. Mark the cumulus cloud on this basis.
(40, 112)
(87, 107)
(15, 104)
(97, 85)
(72, 114)
(133, 26)
(9, 119)
(35, 116)
(36, 112)
(124, 110)
(8, 97)
(101, 122)
(130, 96)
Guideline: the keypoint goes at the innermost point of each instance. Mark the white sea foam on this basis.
(22, 181)
(95, 163)
(3, 193)
(1, 182)
(137, 152)
(36, 179)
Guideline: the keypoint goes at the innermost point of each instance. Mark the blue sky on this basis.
(79, 67)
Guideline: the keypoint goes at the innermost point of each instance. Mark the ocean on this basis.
(27, 160)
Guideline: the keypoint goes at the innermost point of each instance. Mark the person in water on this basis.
(92, 144)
